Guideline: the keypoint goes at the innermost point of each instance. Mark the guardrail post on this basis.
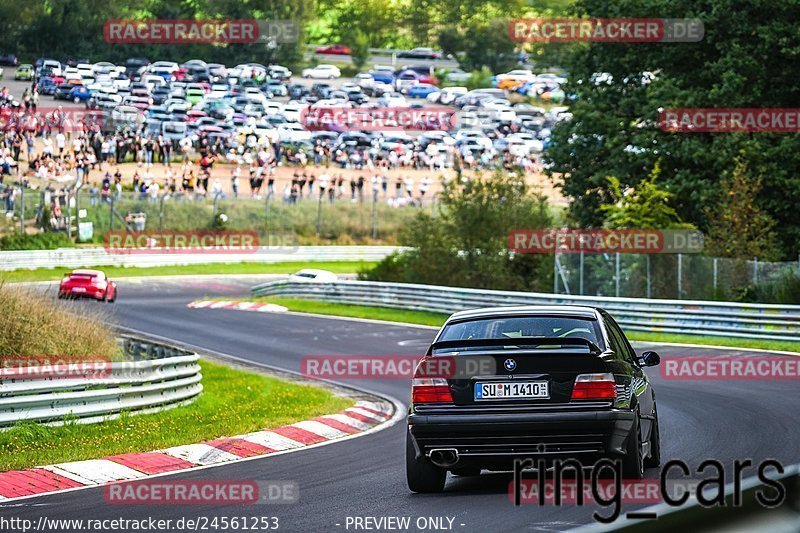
(161, 212)
(580, 279)
(715, 273)
(319, 213)
(755, 270)
(21, 208)
(616, 274)
(555, 273)
(680, 276)
(374, 210)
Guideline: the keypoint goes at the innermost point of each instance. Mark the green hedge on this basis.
(38, 241)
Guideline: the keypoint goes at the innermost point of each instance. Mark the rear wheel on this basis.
(466, 471)
(654, 460)
(421, 475)
(633, 463)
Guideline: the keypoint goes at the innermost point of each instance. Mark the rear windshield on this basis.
(523, 327)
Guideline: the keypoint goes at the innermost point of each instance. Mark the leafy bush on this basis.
(785, 290)
(37, 241)
(466, 245)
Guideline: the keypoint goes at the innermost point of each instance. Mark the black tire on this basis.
(633, 463)
(466, 471)
(422, 476)
(654, 459)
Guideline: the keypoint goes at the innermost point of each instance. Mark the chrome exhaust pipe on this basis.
(444, 457)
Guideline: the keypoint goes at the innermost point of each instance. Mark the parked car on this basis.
(24, 72)
(80, 93)
(420, 90)
(8, 59)
(88, 284)
(456, 75)
(322, 72)
(383, 74)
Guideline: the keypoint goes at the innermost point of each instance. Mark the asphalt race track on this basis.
(723, 420)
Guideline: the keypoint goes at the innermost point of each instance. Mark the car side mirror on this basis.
(650, 358)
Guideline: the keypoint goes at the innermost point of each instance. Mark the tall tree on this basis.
(747, 58)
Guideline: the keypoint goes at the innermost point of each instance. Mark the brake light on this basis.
(594, 387)
(430, 390)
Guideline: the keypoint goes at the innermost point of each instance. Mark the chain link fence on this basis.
(676, 276)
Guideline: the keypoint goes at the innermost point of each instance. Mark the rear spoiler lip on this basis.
(575, 341)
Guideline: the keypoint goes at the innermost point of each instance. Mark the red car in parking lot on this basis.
(88, 284)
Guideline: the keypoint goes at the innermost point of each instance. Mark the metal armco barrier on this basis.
(87, 257)
(724, 319)
(154, 378)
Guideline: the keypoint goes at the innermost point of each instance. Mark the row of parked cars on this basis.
(253, 104)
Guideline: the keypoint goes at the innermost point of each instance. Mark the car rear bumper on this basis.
(498, 438)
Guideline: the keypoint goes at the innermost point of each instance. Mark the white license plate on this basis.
(512, 390)
(78, 289)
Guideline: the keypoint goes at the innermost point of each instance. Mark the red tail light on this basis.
(430, 390)
(594, 387)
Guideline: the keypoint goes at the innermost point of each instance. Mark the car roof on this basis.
(529, 310)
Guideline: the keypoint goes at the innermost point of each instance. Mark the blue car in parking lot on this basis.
(382, 74)
(80, 93)
(421, 90)
(47, 86)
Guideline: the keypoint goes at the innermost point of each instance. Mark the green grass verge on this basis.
(437, 319)
(233, 402)
(49, 274)
(357, 311)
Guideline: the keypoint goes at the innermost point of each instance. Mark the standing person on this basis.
(408, 183)
(352, 189)
(423, 187)
(235, 180)
(35, 99)
(61, 143)
(324, 182)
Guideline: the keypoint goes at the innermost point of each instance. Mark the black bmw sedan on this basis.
(509, 383)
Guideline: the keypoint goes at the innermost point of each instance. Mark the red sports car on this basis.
(336, 49)
(88, 284)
